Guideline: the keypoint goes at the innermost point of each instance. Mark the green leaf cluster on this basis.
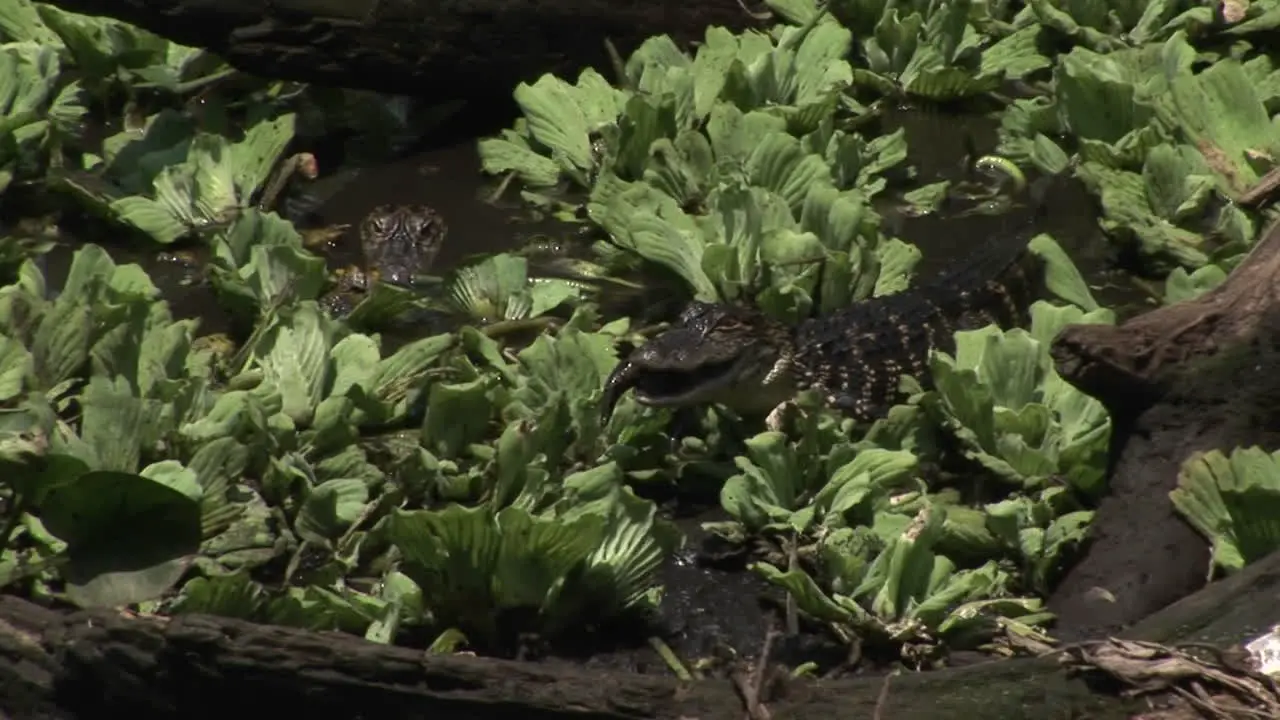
(785, 486)
(567, 567)
(727, 168)
(96, 380)
(108, 52)
(944, 50)
(1111, 26)
(148, 480)
(38, 111)
(1158, 141)
(1233, 500)
(500, 288)
(174, 178)
(893, 585)
(1003, 400)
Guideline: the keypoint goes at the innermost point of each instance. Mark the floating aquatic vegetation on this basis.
(108, 52)
(36, 114)
(580, 130)
(1011, 412)
(300, 390)
(784, 486)
(1233, 500)
(499, 288)
(935, 51)
(175, 179)
(573, 566)
(1180, 285)
(892, 586)
(1161, 144)
(1112, 26)
(855, 505)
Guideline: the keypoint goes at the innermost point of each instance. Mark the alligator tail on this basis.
(998, 281)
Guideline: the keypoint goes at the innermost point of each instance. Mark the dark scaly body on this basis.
(738, 357)
(857, 356)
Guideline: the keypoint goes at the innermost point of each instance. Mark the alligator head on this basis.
(400, 242)
(731, 355)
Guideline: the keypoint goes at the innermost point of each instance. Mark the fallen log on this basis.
(80, 664)
(451, 49)
(88, 664)
(1190, 377)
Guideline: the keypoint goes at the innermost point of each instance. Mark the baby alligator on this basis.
(398, 243)
(738, 357)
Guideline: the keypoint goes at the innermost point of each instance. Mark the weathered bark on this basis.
(427, 48)
(96, 663)
(99, 663)
(1195, 376)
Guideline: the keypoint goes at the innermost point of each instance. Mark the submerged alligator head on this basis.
(715, 353)
(400, 242)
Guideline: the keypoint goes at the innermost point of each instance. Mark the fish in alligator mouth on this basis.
(738, 357)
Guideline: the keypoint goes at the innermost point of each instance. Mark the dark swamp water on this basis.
(709, 611)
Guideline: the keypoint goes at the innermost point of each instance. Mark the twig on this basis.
(502, 187)
(793, 615)
(669, 657)
(766, 15)
(1267, 184)
(882, 699)
(303, 162)
(749, 687)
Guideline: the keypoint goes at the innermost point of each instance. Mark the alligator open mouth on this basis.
(675, 387)
(668, 387)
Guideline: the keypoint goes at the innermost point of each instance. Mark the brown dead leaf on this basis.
(1233, 11)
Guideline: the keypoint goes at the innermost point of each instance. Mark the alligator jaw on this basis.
(622, 379)
(670, 387)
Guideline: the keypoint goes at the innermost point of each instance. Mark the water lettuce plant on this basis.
(936, 50)
(1181, 285)
(110, 54)
(875, 526)
(76, 475)
(1231, 498)
(572, 568)
(176, 179)
(37, 112)
(156, 425)
(1118, 26)
(792, 486)
(500, 288)
(1002, 399)
(1161, 144)
(898, 589)
(463, 484)
(579, 130)
(727, 168)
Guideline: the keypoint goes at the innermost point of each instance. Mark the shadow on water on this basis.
(706, 608)
(938, 146)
